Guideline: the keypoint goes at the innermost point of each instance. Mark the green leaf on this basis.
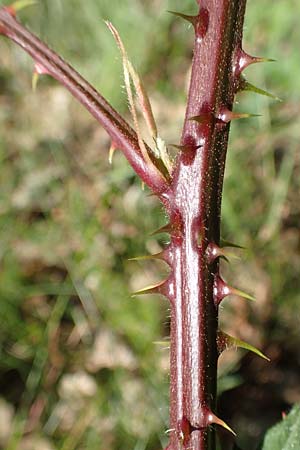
(286, 434)
(130, 75)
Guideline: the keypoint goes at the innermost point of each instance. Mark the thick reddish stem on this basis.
(48, 62)
(196, 205)
(193, 202)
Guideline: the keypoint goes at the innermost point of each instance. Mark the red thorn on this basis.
(213, 251)
(204, 118)
(158, 288)
(213, 419)
(39, 69)
(113, 147)
(188, 152)
(225, 115)
(221, 290)
(164, 229)
(192, 19)
(200, 22)
(174, 228)
(243, 60)
(225, 341)
(209, 418)
(165, 288)
(187, 147)
(160, 256)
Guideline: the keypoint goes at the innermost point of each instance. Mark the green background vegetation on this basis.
(82, 365)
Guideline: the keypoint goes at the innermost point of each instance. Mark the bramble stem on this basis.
(192, 199)
(195, 209)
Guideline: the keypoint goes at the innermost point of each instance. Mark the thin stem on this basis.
(122, 135)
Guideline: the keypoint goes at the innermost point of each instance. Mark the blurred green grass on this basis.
(78, 367)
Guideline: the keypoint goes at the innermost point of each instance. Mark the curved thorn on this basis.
(192, 19)
(246, 86)
(152, 289)
(225, 341)
(165, 344)
(213, 251)
(168, 228)
(222, 290)
(239, 293)
(34, 80)
(186, 147)
(204, 118)
(146, 257)
(213, 419)
(225, 115)
(243, 60)
(111, 152)
(38, 70)
(224, 243)
(229, 255)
